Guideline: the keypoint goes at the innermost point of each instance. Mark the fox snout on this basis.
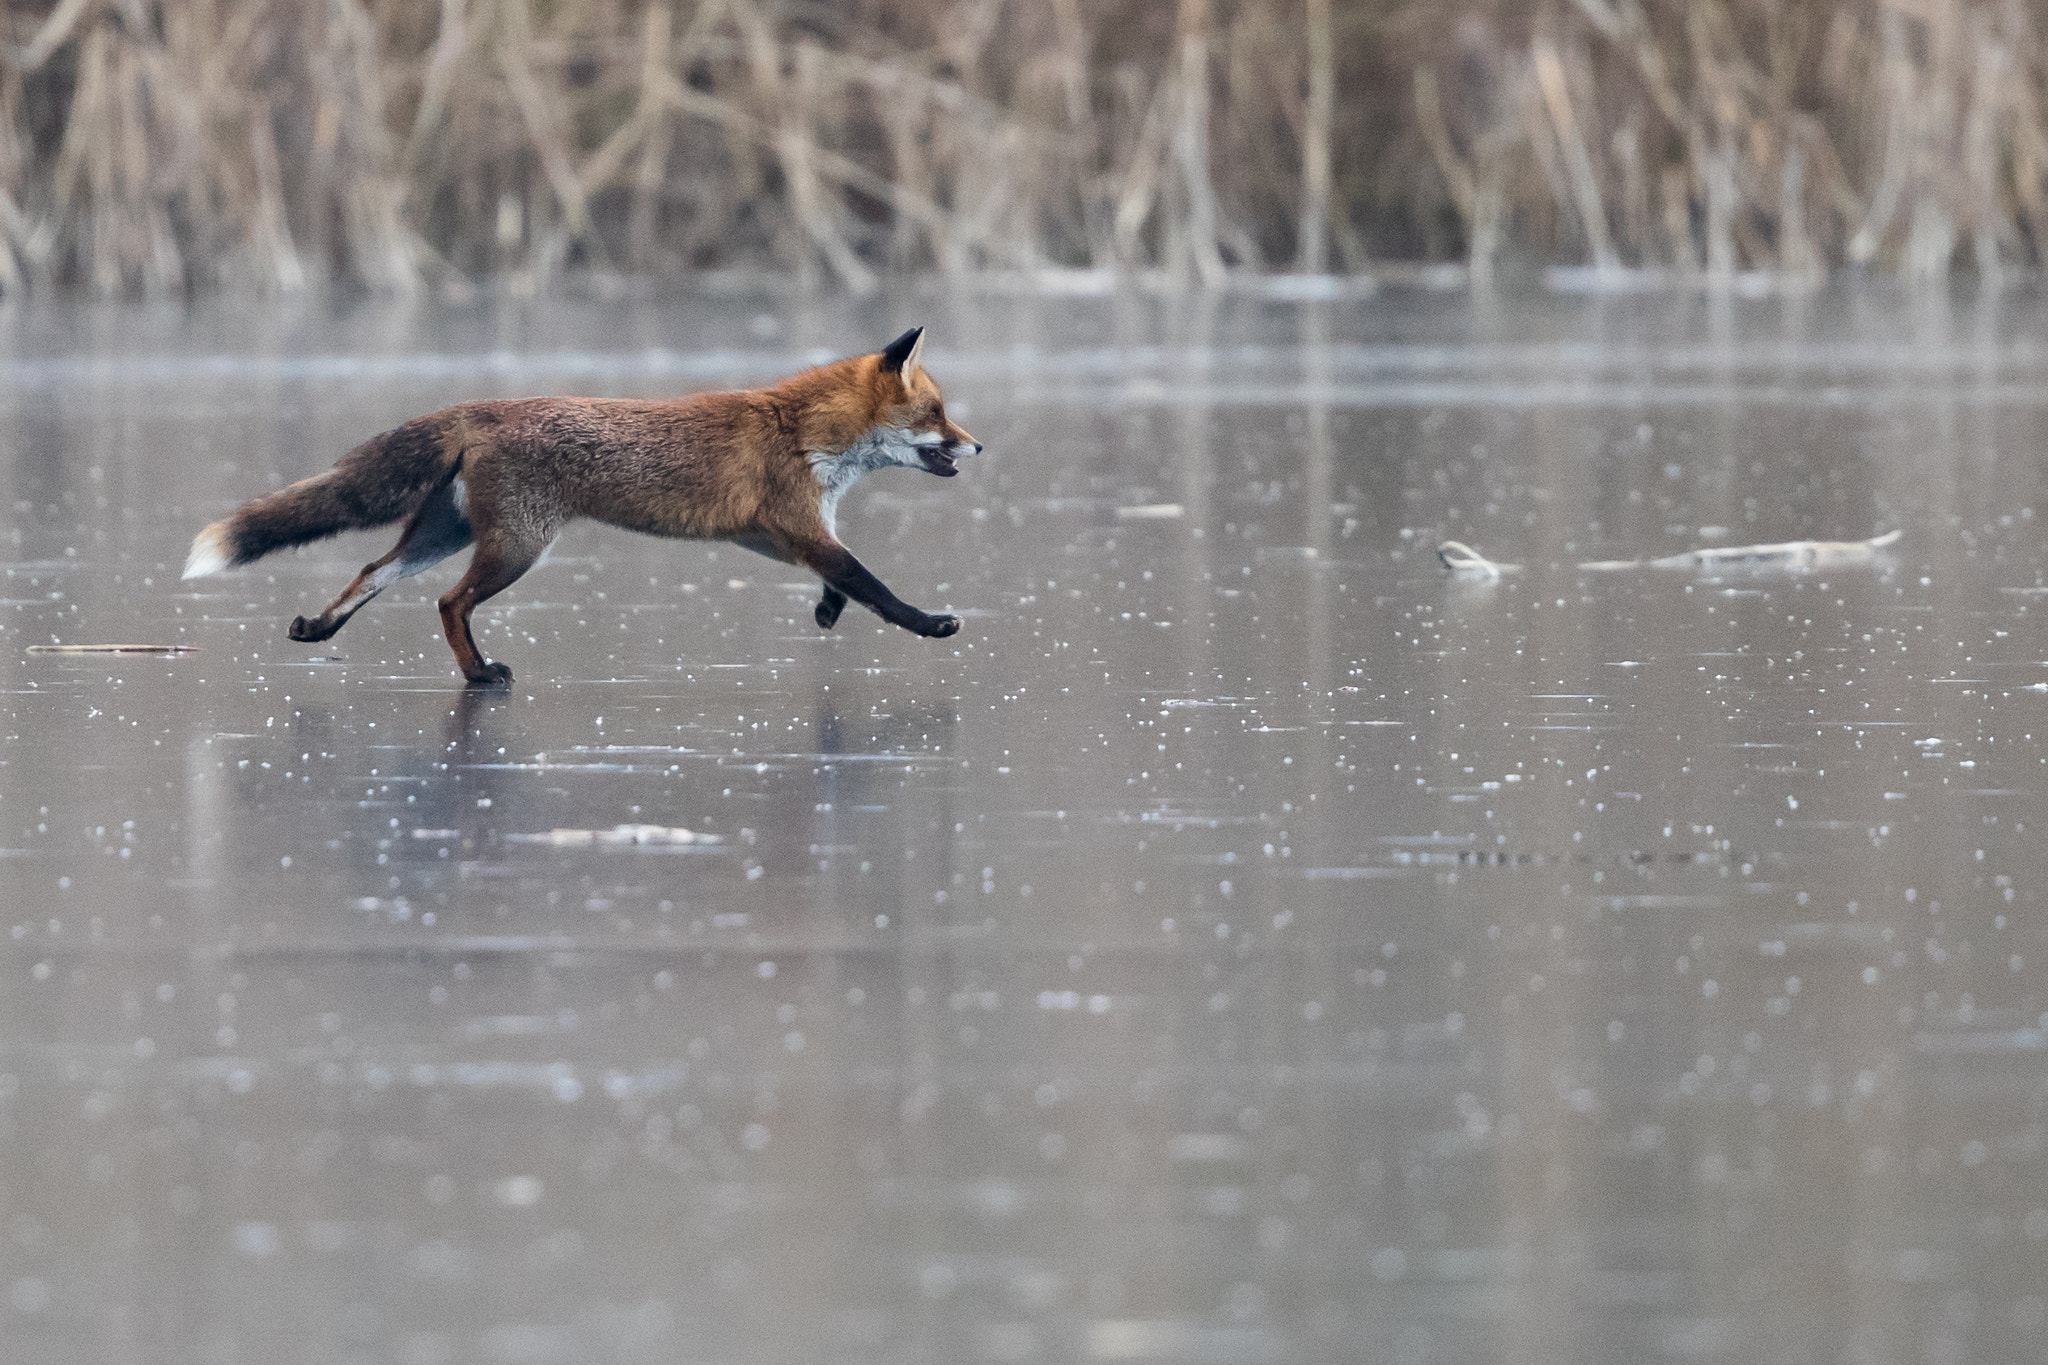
(958, 442)
(943, 457)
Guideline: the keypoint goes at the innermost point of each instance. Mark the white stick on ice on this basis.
(1799, 554)
(1466, 562)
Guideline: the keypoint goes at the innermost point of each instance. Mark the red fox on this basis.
(762, 468)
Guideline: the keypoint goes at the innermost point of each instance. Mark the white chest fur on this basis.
(838, 471)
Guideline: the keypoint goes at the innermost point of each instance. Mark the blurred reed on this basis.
(155, 147)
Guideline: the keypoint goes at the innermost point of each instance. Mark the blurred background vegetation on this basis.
(159, 147)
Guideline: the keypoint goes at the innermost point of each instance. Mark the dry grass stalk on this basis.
(156, 146)
(1312, 252)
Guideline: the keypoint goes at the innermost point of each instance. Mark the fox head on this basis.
(913, 425)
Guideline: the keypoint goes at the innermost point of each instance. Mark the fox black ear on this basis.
(901, 355)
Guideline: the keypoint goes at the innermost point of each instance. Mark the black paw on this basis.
(828, 610)
(319, 628)
(939, 627)
(494, 675)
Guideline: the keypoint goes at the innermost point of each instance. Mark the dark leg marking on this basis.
(817, 556)
(835, 564)
(787, 551)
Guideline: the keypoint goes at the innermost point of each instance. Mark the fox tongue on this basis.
(940, 463)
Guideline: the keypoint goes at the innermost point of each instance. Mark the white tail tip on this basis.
(209, 552)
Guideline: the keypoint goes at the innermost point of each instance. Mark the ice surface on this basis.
(1241, 942)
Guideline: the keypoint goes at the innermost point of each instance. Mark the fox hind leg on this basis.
(435, 532)
(497, 565)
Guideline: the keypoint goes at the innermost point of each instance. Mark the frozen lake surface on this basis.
(1244, 942)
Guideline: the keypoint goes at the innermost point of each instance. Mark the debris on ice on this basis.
(1464, 561)
(616, 836)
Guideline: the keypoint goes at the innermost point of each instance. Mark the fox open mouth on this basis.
(939, 462)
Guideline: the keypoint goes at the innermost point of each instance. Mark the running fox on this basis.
(762, 468)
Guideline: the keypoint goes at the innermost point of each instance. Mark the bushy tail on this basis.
(385, 478)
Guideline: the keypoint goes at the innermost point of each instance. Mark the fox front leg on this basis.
(848, 577)
(788, 550)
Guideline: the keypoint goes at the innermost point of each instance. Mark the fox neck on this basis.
(839, 470)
